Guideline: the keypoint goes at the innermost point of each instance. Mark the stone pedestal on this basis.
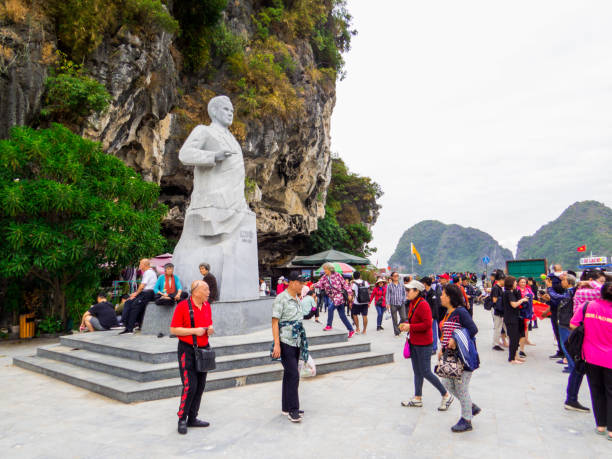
(157, 319)
(229, 318)
(232, 258)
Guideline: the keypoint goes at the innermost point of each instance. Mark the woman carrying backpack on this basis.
(339, 293)
(378, 295)
(457, 317)
(597, 352)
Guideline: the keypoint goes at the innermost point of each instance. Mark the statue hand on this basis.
(221, 155)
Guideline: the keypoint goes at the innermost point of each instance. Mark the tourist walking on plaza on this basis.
(515, 327)
(338, 291)
(554, 295)
(525, 312)
(135, 306)
(379, 292)
(576, 373)
(420, 338)
(361, 303)
(597, 352)
(457, 317)
(290, 343)
(432, 301)
(496, 294)
(192, 321)
(396, 301)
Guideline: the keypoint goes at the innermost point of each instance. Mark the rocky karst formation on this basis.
(155, 105)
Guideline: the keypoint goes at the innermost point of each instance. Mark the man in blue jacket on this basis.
(168, 289)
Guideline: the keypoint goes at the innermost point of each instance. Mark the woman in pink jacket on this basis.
(597, 352)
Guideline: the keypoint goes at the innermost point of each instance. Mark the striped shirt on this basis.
(396, 294)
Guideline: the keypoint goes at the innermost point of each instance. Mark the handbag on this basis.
(204, 358)
(407, 345)
(574, 343)
(407, 349)
(450, 366)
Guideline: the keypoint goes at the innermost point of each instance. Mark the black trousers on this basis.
(312, 314)
(133, 310)
(554, 320)
(291, 377)
(169, 301)
(600, 385)
(513, 330)
(193, 382)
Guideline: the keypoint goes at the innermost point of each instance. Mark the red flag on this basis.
(582, 248)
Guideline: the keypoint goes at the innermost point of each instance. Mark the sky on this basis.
(487, 114)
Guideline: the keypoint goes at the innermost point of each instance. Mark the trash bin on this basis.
(26, 325)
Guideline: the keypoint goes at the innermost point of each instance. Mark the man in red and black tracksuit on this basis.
(193, 382)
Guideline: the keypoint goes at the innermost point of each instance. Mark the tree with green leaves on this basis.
(69, 211)
(351, 210)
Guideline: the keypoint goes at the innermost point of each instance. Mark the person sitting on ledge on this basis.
(101, 316)
(135, 306)
(211, 281)
(168, 289)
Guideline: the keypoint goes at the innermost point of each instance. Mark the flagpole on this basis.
(412, 257)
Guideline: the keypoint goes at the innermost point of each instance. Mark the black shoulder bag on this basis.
(204, 358)
(574, 342)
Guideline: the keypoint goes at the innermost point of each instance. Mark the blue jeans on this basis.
(341, 313)
(575, 378)
(381, 311)
(434, 327)
(421, 366)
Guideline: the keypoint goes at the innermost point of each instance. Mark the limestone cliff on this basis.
(157, 101)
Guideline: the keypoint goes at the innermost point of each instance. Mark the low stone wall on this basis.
(229, 318)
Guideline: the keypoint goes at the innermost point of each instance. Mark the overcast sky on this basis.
(489, 114)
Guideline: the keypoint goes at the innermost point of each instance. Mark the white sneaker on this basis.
(446, 402)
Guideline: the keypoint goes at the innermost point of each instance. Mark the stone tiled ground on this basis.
(350, 414)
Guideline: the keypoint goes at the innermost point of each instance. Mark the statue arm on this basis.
(192, 153)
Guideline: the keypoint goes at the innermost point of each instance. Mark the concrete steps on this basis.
(137, 368)
(129, 391)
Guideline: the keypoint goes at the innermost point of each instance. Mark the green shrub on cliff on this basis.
(71, 95)
(68, 211)
(82, 24)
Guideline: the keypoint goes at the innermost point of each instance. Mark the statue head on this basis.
(220, 110)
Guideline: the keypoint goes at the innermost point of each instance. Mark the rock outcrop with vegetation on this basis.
(447, 248)
(583, 223)
(161, 61)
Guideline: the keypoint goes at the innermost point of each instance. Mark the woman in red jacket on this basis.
(378, 295)
(419, 326)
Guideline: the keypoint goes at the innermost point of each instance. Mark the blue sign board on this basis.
(486, 260)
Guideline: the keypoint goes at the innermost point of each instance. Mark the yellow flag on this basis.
(415, 252)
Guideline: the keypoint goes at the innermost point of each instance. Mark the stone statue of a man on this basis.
(219, 227)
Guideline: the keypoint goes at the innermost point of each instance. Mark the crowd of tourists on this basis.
(434, 314)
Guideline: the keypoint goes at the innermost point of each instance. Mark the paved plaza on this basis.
(349, 414)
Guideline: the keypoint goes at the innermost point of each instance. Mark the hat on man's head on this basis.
(416, 285)
(295, 276)
(444, 276)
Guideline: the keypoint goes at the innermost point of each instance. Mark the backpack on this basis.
(363, 293)
(574, 342)
(565, 311)
(488, 303)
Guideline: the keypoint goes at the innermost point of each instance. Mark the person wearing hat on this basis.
(419, 326)
(379, 292)
(290, 343)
